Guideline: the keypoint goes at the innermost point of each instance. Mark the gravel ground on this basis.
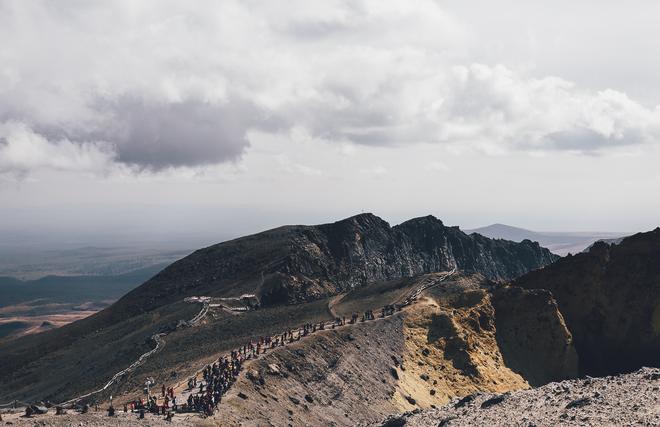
(626, 400)
(98, 419)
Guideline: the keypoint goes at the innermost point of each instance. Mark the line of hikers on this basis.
(218, 377)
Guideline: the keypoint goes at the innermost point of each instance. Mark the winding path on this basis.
(160, 342)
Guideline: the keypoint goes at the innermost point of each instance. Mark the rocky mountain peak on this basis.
(364, 223)
(428, 222)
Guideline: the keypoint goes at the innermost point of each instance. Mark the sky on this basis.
(161, 120)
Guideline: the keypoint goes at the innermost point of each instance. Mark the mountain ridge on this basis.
(299, 263)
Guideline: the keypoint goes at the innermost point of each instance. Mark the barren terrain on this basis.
(624, 400)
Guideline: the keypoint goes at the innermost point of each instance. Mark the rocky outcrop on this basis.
(610, 299)
(472, 336)
(532, 335)
(300, 263)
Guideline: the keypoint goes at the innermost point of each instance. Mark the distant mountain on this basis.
(507, 232)
(560, 243)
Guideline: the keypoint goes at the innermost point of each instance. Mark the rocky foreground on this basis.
(624, 400)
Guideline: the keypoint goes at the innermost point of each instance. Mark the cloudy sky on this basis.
(217, 118)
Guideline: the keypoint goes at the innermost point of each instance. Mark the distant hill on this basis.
(27, 263)
(560, 243)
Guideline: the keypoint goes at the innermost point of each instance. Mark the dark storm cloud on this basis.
(156, 135)
(189, 133)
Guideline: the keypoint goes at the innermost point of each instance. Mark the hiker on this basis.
(111, 411)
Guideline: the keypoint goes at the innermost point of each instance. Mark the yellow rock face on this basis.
(452, 350)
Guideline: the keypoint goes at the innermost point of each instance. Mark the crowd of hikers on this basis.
(205, 395)
(218, 377)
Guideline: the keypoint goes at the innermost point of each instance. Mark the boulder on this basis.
(492, 401)
(578, 403)
(464, 401)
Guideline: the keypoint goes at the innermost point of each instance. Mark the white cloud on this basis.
(290, 166)
(22, 150)
(437, 166)
(162, 84)
(375, 172)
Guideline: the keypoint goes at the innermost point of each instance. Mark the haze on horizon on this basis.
(162, 120)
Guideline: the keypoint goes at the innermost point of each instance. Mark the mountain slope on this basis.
(301, 263)
(610, 298)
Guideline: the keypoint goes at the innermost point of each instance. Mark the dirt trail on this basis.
(160, 342)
